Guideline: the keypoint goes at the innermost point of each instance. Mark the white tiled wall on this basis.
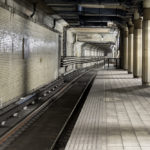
(38, 66)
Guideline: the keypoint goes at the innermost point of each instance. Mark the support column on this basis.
(130, 47)
(146, 44)
(125, 48)
(121, 48)
(137, 57)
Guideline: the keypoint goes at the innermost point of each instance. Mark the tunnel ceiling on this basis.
(96, 37)
(94, 12)
(107, 47)
(83, 15)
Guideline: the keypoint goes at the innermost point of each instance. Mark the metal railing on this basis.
(71, 60)
(114, 61)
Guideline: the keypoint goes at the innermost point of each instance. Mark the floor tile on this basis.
(115, 116)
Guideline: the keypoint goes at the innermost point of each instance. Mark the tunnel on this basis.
(74, 75)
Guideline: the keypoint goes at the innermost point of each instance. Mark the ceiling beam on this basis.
(91, 30)
(103, 11)
(101, 18)
(60, 2)
(108, 6)
(95, 11)
(100, 24)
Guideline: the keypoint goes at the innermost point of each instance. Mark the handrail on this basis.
(71, 60)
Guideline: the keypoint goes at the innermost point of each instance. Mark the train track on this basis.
(11, 133)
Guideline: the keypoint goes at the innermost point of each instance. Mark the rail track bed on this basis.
(43, 130)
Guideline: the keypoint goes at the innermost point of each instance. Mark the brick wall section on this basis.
(28, 56)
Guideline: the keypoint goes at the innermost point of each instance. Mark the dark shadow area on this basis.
(25, 48)
(114, 78)
(112, 74)
(110, 129)
(129, 89)
(25, 52)
(62, 141)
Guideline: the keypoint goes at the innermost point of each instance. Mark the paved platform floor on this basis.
(115, 116)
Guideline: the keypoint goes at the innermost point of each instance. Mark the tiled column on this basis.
(130, 47)
(146, 43)
(125, 41)
(137, 52)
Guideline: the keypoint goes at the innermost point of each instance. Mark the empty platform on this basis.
(115, 116)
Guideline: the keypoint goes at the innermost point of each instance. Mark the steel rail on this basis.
(18, 126)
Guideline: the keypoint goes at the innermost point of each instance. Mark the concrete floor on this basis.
(115, 116)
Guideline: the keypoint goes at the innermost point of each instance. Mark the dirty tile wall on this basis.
(28, 56)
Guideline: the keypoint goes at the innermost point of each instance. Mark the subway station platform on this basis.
(115, 116)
